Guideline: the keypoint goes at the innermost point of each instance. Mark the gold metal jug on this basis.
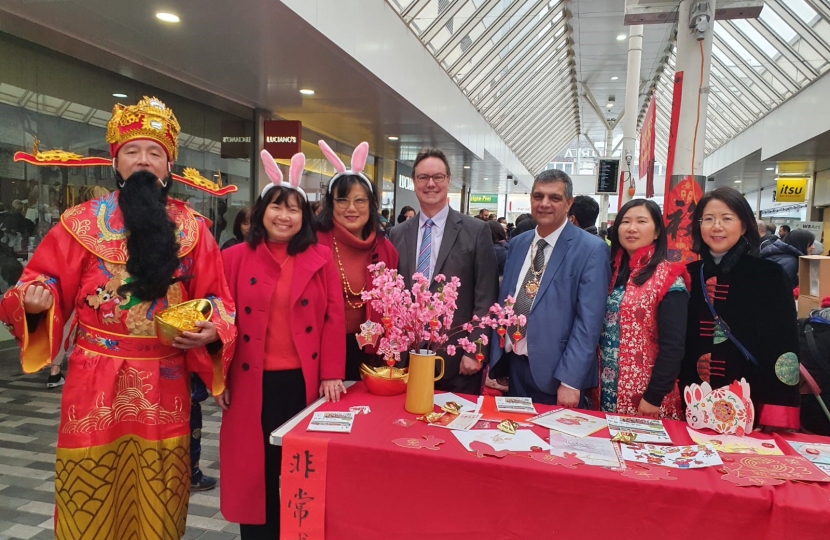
(421, 385)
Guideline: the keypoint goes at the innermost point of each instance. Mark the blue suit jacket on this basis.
(565, 321)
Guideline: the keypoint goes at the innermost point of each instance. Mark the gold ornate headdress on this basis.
(149, 119)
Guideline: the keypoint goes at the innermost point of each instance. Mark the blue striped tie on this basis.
(426, 250)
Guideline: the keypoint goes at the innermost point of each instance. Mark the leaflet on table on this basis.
(678, 457)
(571, 422)
(461, 421)
(591, 450)
(521, 405)
(522, 441)
(441, 399)
(817, 453)
(737, 445)
(334, 421)
(647, 430)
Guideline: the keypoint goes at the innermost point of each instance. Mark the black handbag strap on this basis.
(720, 322)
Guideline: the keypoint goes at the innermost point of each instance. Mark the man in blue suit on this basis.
(559, 276)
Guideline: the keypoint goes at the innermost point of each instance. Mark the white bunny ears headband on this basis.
(359, 156)
(295, 173)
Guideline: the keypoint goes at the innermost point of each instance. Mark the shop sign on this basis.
(283, 138)
(519, 205)
(236, 139)
(478, 198)
(791, 190)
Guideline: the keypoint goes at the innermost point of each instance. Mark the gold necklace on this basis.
(347, 288)
(532, 286)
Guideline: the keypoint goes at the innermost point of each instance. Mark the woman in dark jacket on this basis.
(753, 297)
(240, 227)
(499, 243)
(787, 251)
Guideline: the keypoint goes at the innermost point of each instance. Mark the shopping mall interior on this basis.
(505, 88)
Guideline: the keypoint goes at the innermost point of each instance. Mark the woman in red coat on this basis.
(291, 348)
(350, 224)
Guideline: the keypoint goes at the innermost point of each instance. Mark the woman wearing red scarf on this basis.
(643, 335)
(349, 223)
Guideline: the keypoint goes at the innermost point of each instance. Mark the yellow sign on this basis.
(791, 190)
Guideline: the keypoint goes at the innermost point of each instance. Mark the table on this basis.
(377, 490)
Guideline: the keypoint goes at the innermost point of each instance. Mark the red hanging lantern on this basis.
(386, 320)
(390, 361)
(433, 323)
(517, 335)
(501, 331)
(479, 356)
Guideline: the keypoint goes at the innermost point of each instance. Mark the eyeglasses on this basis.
(725, 220)
(360, 204)
(437, 178)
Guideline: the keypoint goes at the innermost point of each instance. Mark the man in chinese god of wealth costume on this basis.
(122, 468)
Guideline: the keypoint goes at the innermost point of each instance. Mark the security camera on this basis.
(515, 182)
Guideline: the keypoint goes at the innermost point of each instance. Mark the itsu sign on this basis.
(283, 138)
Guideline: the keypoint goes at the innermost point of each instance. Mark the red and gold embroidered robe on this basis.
(122, 468)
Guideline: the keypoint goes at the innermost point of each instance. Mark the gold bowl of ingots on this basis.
(384, 380)
(172, 321)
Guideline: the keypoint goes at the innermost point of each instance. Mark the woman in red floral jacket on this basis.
(643, 335)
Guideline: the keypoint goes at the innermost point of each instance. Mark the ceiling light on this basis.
(621, 37)
(609, 104)
(307, 91)
(614, 78)
(167, 17)
(485, 178)
(466, 166)
(737, 181)
(392, 138)
(119, 95)
(770, 168)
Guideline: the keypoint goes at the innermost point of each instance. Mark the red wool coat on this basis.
(318, 326)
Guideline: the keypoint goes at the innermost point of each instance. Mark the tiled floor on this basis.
(29, 415)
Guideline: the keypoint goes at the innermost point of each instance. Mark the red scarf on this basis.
(638, 330)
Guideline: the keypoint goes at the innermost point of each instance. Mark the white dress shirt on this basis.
(439, 224)
(521, 345)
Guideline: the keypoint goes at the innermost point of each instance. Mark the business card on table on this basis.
(334, 421)
(462, 421)
(522, 405)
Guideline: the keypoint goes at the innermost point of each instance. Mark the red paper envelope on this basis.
(765, 466)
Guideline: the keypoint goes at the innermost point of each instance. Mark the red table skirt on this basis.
(377, 490)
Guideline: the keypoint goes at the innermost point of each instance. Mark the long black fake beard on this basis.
(152, 248)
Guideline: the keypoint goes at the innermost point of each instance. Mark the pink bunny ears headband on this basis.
(359, 156)
(295, 173)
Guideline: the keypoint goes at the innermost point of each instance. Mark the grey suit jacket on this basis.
(467, 253)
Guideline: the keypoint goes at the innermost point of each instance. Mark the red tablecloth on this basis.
(377, 490)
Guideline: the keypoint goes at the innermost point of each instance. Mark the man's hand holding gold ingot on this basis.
(206, 334)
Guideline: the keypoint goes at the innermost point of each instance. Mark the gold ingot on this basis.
(173, 321)
(451, 407)
(430, 418)
(626, 437)
(384, 380)
(508, 426)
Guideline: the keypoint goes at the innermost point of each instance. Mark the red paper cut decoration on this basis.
(569, 461)
(429, 442)
(483, 449)
(744, 481)
(644, 472)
